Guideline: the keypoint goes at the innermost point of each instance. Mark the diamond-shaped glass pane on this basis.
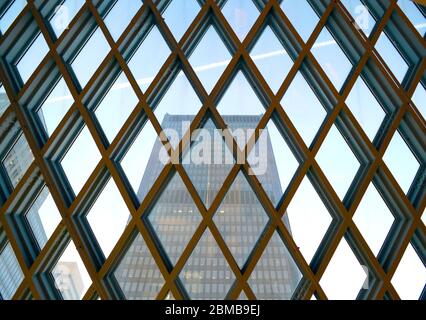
(271, 59)
(391, 57)
(365, 108)
(410, 276)
(12, 12)
(108, 217)
(18, 160)
(32, 58)
(241, 15)
(90, 57)
(373, 219)
(11, 274)
(120, 16)
(240, 99)
(208, 162)
(307, 218)
(43, 217)
(210, 59)
(419, 98)
(116, 107)
(55, 107)
(149, 58)
(137, 159)
(303, 108)
(179, 103)
(206, 275)
(80, 160)
(301, 16)
(362, 17)
(331, 58)
(401, 162)
(179, 15)
(338, 162)
(241, 219)
(137, 274)
(70, 275)
(271, 158)
(64, 14)
(414, 14)
(4, 100)
(174, 218)
(276, 275)
(344, 277)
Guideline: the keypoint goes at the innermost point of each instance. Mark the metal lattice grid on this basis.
(20, 119)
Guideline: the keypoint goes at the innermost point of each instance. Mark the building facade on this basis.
(240, 218)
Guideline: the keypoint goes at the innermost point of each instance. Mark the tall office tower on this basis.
(240, 219)
(68, 280)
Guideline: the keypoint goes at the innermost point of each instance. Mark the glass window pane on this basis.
(11, 274)
(10, 15)
(120, 16)
(70, 275)
(18, 160)
(64, 14)
(32, 58)
(43, 217)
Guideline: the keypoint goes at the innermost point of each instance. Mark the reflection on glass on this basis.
(303, 108)
(80, 160)
(179, 15)
(108, 217)
(116, 107)
(276, 275)
(18, 160)
(410, 276)
(365, 108)
(90, 57)
(344, 277)
(331, 58)
(120, 16)
(11, 274)
(338, 162)
(70, 275)
(32, 58)
(401, 162)
(362, 17)
(373, 219)
(149, 58)
(210, 59)
(64, 13)
(43, 217)
(138, 274)
(55, 107)
(241, 15)
(391, 56)
(271, 59)
(206, 275)
(301, 16)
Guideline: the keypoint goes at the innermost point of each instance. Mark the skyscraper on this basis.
(240, 219)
